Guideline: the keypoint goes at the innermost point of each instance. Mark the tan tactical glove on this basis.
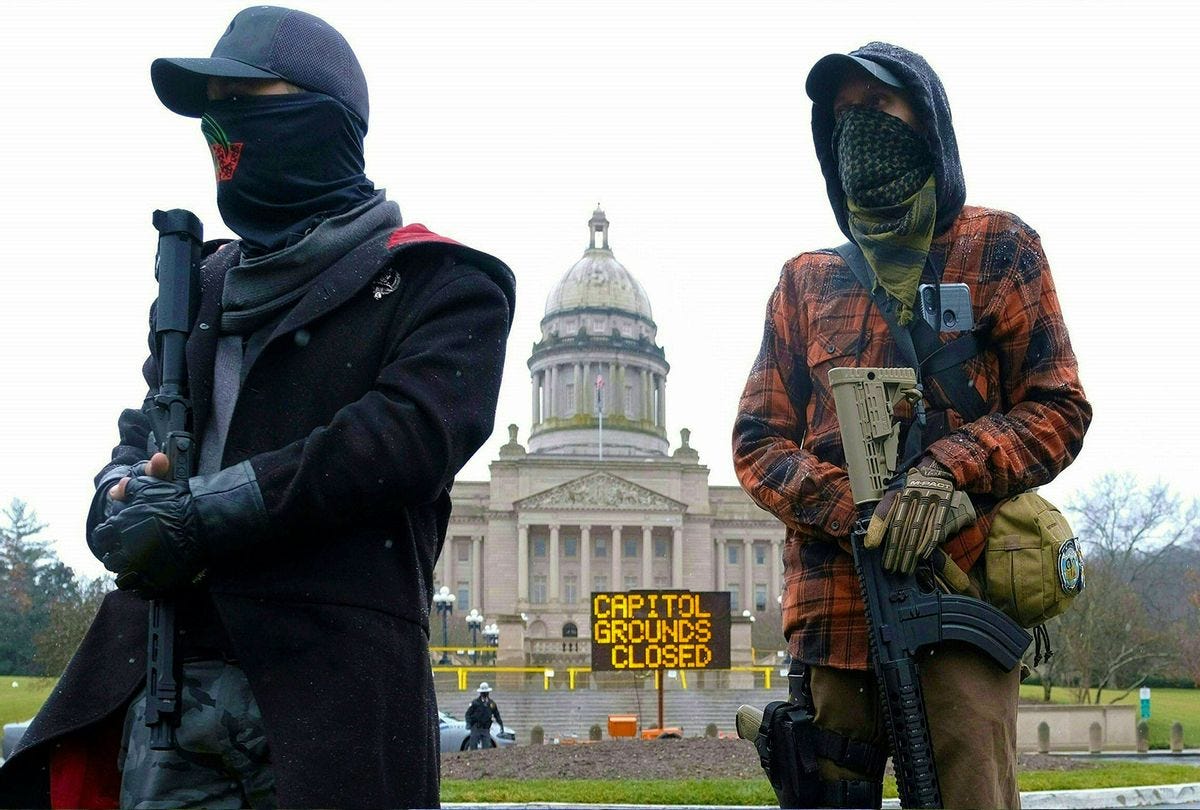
(912, 520)
(946, 570)
(959, 515)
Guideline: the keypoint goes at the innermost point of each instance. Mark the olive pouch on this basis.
(1033, 564)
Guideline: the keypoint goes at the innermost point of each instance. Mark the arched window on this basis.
(570, 630)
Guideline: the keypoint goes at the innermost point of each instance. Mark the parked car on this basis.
(12, 735)
(454, 733)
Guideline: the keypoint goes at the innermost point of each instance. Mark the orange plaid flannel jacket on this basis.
(788, 452)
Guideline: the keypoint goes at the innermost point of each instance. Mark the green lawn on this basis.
(1166, 707)
(758, 792)
(21, 697)
(21, 702)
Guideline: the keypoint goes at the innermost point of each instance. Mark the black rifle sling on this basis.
(942, 363)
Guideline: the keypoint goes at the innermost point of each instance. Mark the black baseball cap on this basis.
(828, 72)
(267, 42)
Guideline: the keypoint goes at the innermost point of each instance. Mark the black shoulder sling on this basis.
(924, 350)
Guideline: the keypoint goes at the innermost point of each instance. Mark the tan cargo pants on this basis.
(972, 709)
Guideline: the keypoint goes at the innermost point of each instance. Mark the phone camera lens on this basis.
(949, 318)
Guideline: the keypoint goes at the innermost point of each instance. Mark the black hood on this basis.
(932, 108)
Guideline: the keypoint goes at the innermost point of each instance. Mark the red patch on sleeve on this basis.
(416, 232)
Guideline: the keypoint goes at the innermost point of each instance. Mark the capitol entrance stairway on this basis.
(564, 713)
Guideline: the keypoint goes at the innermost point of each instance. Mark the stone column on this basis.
(522, 563)
(615, 543)
(647, 556)
(551, 390)
(677, 558)
(585, 563)
(553, 596)
(619, 392)
(580, 404)
(511, 652)
(450, 553)
(535, 399)
(776, 586)
(748, 574)
(477, 573)
(662, 400)
(612, 399)
(739, 652)
(647, 399)
(720, 569)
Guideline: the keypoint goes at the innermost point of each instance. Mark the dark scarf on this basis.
(260, 289)
(886, 172)
(284, 163)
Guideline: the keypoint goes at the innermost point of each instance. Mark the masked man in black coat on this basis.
(342, 368)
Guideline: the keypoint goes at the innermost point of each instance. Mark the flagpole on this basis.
(600, 412)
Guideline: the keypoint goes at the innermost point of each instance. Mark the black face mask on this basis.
(283, 164)
(881, 159)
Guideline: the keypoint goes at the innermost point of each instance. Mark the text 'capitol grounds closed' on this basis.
(660, 630)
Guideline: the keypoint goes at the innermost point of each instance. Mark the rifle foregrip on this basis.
(897, 681)
(912, 747)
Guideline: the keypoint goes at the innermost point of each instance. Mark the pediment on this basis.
(600, 490)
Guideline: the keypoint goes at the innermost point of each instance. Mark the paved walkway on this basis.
(1189, 756)
(1186, 795)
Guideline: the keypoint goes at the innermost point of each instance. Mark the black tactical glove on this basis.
(168, 533)
(103, 506)
(909, 522)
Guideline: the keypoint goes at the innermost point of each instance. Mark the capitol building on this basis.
(595, 499)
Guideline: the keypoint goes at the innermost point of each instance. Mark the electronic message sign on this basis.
(660, 630)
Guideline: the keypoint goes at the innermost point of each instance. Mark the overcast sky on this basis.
(503, 124)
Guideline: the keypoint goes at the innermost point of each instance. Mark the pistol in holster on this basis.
(789, 743)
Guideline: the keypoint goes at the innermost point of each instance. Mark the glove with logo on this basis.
(910, 522)
(169, 532)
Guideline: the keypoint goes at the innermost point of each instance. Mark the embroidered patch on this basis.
(225, 155)
(1070, 567)
(225, 160)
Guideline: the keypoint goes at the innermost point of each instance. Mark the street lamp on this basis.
(443, 600)
(491, 635)
(474, 621)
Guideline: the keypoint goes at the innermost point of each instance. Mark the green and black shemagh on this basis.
(887, 174)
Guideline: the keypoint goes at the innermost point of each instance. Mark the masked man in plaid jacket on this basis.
(882, 129)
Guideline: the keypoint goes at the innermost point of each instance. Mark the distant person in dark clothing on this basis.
(479, 718)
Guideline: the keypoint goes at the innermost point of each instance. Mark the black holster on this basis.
(789, 744)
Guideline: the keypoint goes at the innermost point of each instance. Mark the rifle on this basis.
(905, 612)
(177, 269)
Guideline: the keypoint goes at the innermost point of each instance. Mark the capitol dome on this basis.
(599, 376)
(598, 280)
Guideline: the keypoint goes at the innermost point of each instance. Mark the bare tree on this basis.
(1108, 639)
(1187, 629)
(1119, 629)
(1132, 529)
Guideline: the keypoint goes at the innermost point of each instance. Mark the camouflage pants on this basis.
(221, 759)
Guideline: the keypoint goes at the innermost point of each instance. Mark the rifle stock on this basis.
(905, 612)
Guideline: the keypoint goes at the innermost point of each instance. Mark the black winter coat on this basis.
(355, 415)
